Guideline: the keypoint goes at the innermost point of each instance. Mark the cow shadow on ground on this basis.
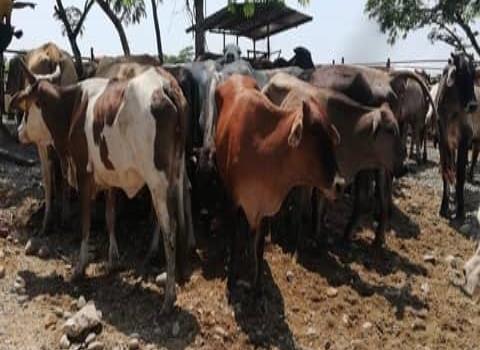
(112, 295)
(263, 319)
(334, 265)
(468, 226)
(402, 224)
(416, 168)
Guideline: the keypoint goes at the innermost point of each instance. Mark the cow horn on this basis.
(50, 77)
(30, 76)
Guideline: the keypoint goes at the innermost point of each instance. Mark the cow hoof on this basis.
(459, 219)
(113, 266)
(379, 243)
(347, 239)
(444, 213)
(78, 275)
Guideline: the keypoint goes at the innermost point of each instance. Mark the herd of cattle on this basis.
(220, 137)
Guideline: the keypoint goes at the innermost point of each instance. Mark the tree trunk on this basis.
(60, 10)
(117, 24)
(157, 31)
(199, 33)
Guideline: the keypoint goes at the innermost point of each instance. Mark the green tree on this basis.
(123, 12)
(185, 55)
(452, 21)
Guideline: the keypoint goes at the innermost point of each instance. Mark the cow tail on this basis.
(210, 113)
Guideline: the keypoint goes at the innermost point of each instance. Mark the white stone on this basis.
(367, 325)
(133, 344)
(90, 338)
(96, 345)
(161, 279)
(81, 302)
(64, 342)
(83, 321)
(332, 292)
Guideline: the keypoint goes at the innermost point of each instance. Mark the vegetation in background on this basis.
(452, 21)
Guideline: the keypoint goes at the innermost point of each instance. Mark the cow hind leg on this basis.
(187, 202)
(258, 262)
(475, 151)
(164, 201)
(239, 230)
(445, 199)
(352, 222)
(383, 194)
(113, 255)
(425, 139)
(85, 202)
(462, 159)
(183, 232)
(46, 166)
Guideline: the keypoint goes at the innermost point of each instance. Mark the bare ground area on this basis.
(331, 298)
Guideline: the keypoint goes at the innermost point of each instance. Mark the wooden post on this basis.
(223, 42)
(268, 42)
(2, 87)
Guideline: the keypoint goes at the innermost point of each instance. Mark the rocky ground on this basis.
(401, 297)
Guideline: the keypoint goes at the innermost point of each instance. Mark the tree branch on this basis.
(468, 31)
(88, 6)
(455, 38)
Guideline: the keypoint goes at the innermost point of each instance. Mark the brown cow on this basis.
(405, 91)
(456, 101)
(255, 139)
(369, 136)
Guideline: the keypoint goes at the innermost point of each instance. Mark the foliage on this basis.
(452, 20)
(185, 55)
(73, 14)
(248, 6)
(74, 17)
(129, 11)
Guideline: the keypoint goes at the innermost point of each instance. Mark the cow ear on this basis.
(296, 131)
(451, 76)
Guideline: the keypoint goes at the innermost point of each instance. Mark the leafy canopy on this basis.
(451, 20)
(248, 6)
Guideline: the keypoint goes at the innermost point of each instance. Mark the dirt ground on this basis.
(331, 298)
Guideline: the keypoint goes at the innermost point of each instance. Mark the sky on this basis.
(339, 28)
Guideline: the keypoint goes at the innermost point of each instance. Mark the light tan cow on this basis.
(44, 61)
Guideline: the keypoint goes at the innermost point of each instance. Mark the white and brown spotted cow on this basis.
(117, 134)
